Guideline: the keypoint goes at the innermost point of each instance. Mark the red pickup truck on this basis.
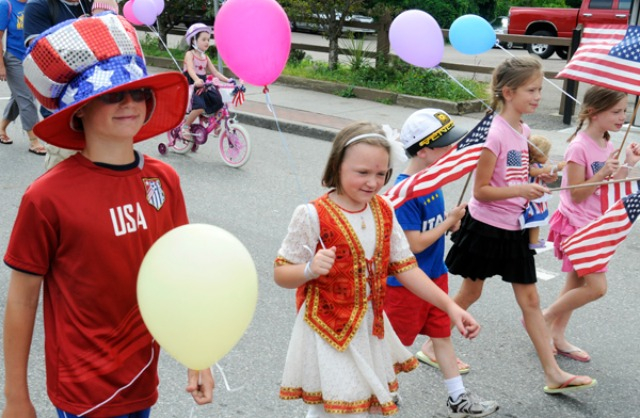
(545, 21)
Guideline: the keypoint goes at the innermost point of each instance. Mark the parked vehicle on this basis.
(500, 25)
(558, 22)
(313, 23)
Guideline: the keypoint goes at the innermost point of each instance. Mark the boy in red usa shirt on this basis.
(83, 227)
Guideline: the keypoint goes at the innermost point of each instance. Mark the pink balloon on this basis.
(145, 11)
(253, 38)
(159, 4)
(417, 38)
(127, 11)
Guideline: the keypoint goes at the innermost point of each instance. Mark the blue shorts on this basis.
(140, 414)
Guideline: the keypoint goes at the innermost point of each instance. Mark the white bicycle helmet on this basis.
(194, 30)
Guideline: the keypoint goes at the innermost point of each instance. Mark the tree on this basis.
(330, 15)
(174, 13)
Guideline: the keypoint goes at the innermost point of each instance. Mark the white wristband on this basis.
(627, 166)
(308, 274)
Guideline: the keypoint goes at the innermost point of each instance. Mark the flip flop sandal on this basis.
(567, 386)
(427, 360)
(39, 150)
(573, 354)
(4, 139)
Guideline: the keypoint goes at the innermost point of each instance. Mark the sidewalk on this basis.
(321, 115)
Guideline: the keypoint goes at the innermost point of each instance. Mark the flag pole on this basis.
(602, 183)
(635, 111)
(464, 189)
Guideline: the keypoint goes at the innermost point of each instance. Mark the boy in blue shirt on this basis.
(426, 136)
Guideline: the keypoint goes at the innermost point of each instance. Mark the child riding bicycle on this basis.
(196, 67)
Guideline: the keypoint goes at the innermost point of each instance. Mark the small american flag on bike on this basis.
(612, 192)
(608, 56)
(459, 161)
(590, 248)
(238, 96)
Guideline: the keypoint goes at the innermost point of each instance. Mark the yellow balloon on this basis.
(197, 292)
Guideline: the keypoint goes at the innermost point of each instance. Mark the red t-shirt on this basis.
(86, 229)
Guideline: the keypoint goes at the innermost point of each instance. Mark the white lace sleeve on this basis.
(304, 229)
(400, 249)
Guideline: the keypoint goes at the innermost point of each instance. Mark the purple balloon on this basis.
(159, 6)
(416, 37)
(145, 11)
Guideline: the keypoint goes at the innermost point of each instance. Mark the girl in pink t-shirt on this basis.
(591, 158)
(490, 241)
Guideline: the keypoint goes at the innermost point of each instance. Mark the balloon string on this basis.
(155, 32)
(226, 382)
(288, 154)
(546, 79)
(125, 386)
(464, 88)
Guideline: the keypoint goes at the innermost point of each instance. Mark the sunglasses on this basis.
(137, 95)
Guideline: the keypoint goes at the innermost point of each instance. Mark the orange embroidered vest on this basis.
(337, 303)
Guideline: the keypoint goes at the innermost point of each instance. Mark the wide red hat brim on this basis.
(171, 92)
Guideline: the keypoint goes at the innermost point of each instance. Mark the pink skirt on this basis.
(559, 230)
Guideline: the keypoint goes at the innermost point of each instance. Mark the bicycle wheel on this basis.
(235, 146)
(177, 143)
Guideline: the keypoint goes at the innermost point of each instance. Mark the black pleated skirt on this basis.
(480, 251)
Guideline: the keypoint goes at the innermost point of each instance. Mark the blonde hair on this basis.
(512, 73)
(539, 144)
(596, 100)
(331, 176)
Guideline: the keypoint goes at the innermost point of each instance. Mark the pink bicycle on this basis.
(234, 143)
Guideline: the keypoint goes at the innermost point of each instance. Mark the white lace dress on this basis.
(362, 378)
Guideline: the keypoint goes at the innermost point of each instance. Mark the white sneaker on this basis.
(469, 405)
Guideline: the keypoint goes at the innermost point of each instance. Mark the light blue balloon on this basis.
(471, 34)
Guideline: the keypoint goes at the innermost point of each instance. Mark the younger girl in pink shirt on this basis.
(591, 158)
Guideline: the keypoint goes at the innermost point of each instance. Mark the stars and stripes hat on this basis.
(78, 60)
(431, 128)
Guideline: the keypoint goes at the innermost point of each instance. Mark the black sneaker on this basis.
(469, 405)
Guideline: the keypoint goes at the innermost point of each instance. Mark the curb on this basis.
(289, 127)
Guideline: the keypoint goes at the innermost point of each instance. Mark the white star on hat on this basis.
(134, 69)
(100, 78)
(69, 96)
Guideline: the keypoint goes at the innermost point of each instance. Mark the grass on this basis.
(396, 76)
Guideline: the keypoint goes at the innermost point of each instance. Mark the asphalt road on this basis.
(255, 204)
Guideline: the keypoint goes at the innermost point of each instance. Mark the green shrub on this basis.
(296, 56)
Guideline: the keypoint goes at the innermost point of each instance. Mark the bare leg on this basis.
(446, 357)
(577, 292)
(534, 235)
(529, 302)
(467, 295)
(4, 124)
(192, 116)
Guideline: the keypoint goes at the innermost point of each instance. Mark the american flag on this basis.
(459, 161)
(607, 57)
(612, 192)
(517, 171)
(590, 248)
